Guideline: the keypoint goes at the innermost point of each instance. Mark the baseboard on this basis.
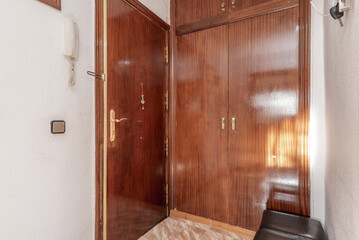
(213, 223)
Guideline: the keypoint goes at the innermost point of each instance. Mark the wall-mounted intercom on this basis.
(71, 46)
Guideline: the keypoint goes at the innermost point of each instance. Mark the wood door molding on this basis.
(99, 64)
(254, 11)
(172, 89)
(304, 102)
(53, 3)
(147, 13)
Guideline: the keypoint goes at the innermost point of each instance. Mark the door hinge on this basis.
(166, 54)
(166, 146)
(166, 192)
(166, 101)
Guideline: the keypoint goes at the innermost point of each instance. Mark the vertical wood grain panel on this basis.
(264, 160)
(242, 4)
(136, 159)
(188, 11)
(201, 146)
(172, 90)
(304, 105)
(99, 119)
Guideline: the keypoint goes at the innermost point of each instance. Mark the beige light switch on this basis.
(58, 127)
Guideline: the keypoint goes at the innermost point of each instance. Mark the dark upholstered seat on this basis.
(283, 226)
(267, 234)
(297, 225)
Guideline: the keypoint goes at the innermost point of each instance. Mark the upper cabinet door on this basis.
(237, 5)
(189, 11)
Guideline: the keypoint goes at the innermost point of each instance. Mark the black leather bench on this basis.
(283, 226)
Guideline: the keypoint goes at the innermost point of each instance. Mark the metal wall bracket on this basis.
(97, 75)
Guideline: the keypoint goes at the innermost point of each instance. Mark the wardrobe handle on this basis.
(223, 6)
(233, 124)
(233, 3)
(223, 123)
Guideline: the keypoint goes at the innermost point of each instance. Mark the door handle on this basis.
(233, 124)
(113, 122)
(223, 123)
(233, 3)
(223, 6)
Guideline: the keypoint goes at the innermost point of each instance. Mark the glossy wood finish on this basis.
(99, 58)
(53, 3)
(99, 101)
(172, 87)
(304, 105)
(269, 65)
(263, 97)
(201, 146)
(242, 4)
(136, 159)
(188, 11)
(147, 13)
(239, 14)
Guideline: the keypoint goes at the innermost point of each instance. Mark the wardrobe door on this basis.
(201, 144)
(264, 161)
(189, 11)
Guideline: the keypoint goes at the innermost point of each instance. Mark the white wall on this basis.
(46, 181)
(342, 97)
(317, 138)
(159, 7)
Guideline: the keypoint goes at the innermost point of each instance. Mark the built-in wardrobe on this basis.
(240, 117)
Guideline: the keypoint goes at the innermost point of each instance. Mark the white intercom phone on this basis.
(71, 46)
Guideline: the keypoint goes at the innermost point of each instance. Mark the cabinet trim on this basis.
(258, 10)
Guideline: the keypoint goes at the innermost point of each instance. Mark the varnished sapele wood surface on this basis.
(264, 98)
(201, 171)
(264, 162)
(136, 159)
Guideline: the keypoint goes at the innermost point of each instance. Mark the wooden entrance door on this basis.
(136, 159)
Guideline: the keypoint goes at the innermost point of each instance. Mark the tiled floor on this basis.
(174, 228)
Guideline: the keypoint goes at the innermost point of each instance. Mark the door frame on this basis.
(101, 102)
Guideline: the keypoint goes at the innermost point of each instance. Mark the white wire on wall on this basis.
(317, 10)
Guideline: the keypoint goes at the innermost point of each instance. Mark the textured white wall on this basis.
(159, 7)
(46, 181)
(342, 112)
(317, 145)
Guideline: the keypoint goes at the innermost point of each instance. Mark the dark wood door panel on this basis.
(242, 4)
(201, 145)
(136, 161)
(264, 161)
(188, 11)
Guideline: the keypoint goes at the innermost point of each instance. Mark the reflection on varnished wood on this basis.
(188, 11)
(263, 88)
(202, 96)
(262, 165)
(136, 160)
(132, 219)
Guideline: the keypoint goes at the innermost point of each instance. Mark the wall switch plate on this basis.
(58, 127)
